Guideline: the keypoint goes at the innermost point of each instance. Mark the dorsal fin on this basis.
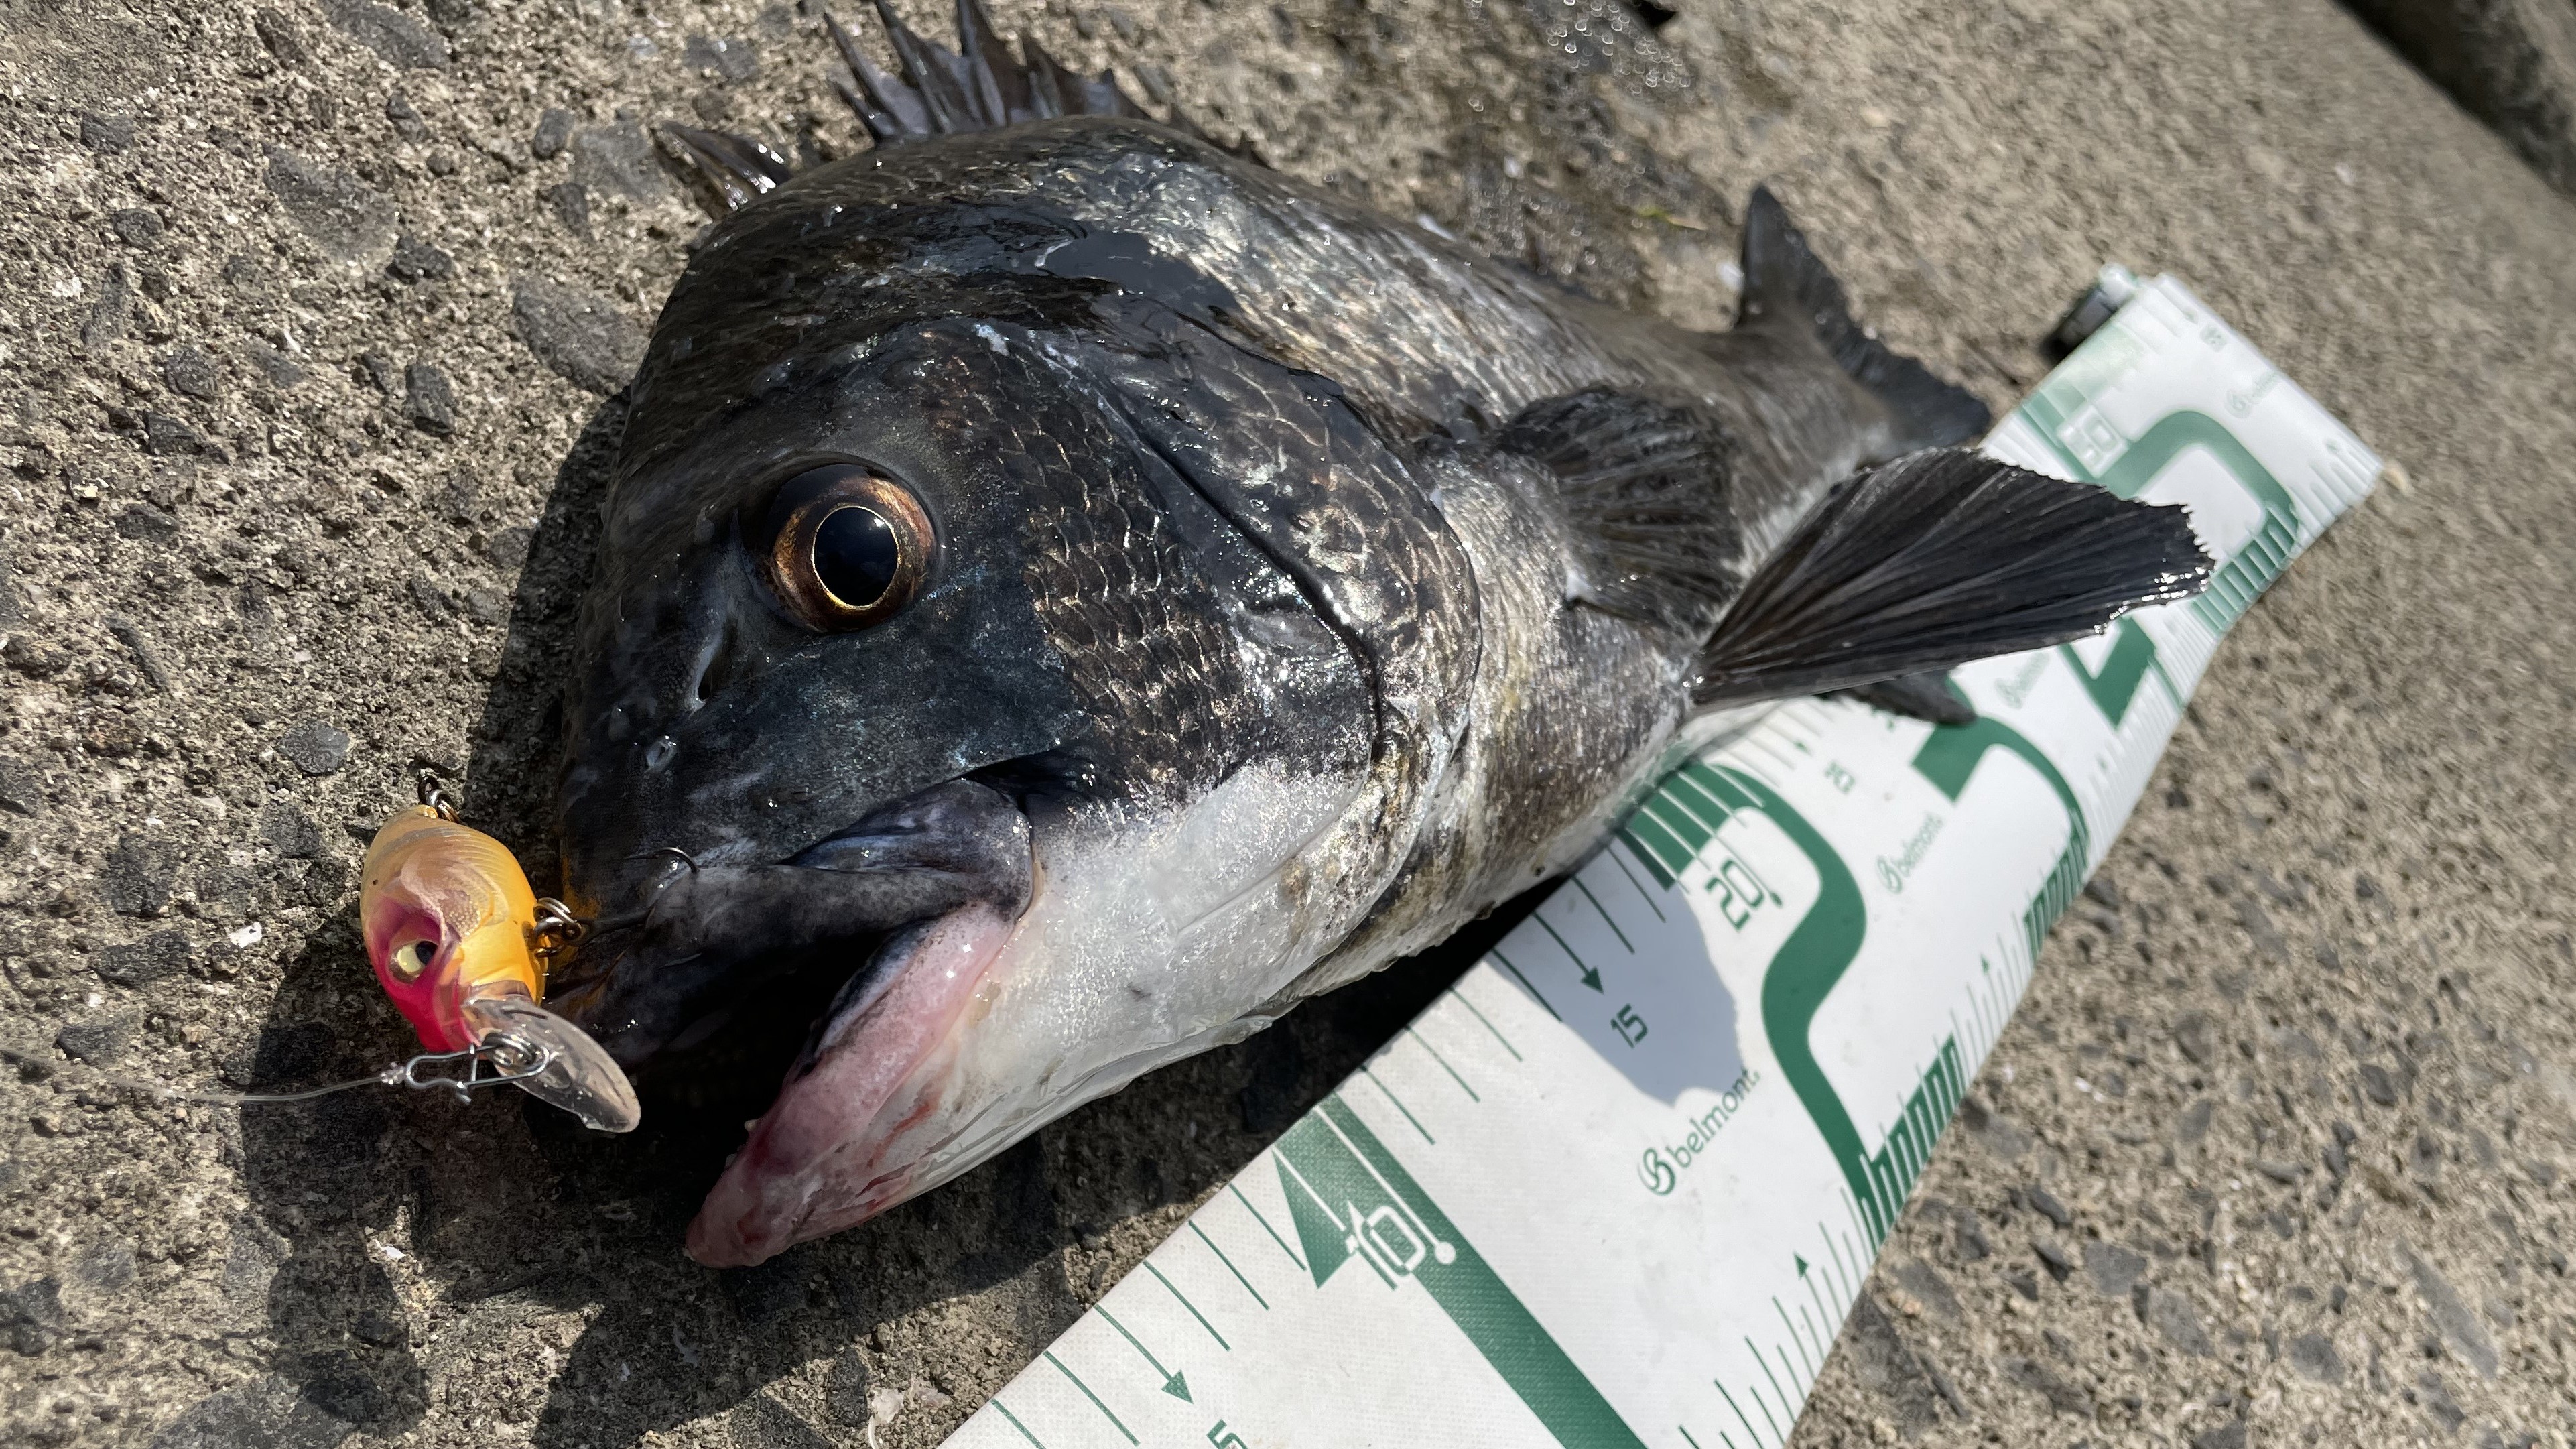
(941, 92)
(737, 168)
(980, 86)
(1786, 285)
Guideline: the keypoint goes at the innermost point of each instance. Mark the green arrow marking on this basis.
(1588, 975)
(1173, 1383)
(1319, 1230)
(1802, 1264)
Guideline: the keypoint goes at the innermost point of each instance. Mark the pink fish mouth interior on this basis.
(867, 947)
(829, 1152)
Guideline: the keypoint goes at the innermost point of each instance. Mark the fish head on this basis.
(935, 748)
(447, 916)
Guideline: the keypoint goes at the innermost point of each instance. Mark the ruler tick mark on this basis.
(1489, 1026)
(1444, 1065)
(1525, 985)
(1739, 1416)
(1192, 1307)
(1088, 1394)
(1399, 1105)
(1763, 1404)
(1015, 1421)
(1265, 1227)
(1775, 1383)
(1605, 915)
(1229, 1266)
(1642, 893)
(1173, 1383)
(1812, 1336)
(1794, 1341)
(1588, 975)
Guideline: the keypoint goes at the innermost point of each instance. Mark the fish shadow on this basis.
(326, 1181)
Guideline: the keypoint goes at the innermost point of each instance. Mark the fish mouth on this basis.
(869, 946)
(834, 1149)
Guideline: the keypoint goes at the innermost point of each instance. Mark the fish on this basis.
(1068, 593)
(454, 933)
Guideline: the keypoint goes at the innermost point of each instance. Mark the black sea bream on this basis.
(1069, 594)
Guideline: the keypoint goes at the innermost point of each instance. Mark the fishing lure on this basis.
(460, 943)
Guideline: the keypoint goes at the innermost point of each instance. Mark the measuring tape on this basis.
(1620, 1185)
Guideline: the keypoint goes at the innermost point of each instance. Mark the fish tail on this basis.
(1786, 285)
(1936, 559)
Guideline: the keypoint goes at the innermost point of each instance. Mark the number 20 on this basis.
(1737, 893)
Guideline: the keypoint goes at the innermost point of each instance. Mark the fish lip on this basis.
(818, 1160)
(701, 942)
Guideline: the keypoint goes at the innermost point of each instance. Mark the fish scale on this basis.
(1624, 1180)
(1356, 586)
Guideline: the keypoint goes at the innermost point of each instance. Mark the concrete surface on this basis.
(304, 336)
(2512, 63)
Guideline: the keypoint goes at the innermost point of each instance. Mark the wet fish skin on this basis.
(1288, 647)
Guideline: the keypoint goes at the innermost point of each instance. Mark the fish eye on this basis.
(855, 555)
(413, 957)
(847, 547)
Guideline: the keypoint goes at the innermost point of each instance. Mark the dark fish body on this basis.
(1299, 585)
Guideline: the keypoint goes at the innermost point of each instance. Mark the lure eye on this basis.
(413, 957)
(848, 547)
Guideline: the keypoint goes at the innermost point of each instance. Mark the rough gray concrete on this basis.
(307, 318)
(2512, 63)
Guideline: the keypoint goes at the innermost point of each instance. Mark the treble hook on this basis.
(436, 798)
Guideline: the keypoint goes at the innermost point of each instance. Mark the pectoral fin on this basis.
(1643, 487)
(1936, 559)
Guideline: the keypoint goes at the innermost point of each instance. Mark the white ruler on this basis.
(1621, 1184)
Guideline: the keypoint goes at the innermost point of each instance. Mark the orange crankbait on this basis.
(457, 939)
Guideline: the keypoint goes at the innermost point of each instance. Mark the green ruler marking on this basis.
(1015, 1422)
(1588, 975)
(1192, 1307)
(1524, 981)
(1173, 1383)
(1489, 1025)
(1643, 894)
(1606, 918)
(1088, 1394)
(1349, 1198)
(1389, 1092)
(1444, 1063)
(1229, 1262)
